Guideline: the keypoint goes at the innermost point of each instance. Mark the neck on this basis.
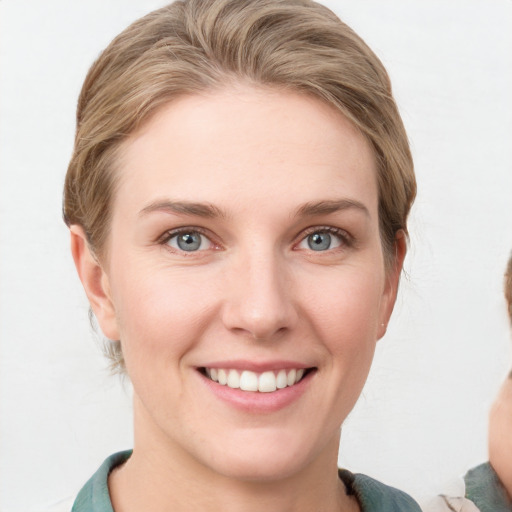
(160, 476)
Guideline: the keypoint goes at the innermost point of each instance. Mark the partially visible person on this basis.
(488, 487)
(500, 420)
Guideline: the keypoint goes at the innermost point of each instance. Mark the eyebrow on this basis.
(206, 210)
(327, 207)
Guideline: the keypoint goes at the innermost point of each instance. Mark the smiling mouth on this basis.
(265, 382)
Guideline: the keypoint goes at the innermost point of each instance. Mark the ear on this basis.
(95, 282)
(392, 280)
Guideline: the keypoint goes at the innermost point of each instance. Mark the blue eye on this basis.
(189, 241)
(319, 241)
(323, 240)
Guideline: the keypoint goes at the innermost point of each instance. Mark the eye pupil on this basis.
(189, 241)
(319, 241)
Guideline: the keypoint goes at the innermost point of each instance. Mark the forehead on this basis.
(245, 142)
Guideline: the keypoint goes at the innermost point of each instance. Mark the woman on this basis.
(237, 201)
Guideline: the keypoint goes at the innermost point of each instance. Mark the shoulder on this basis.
(94, 496)
(451, 498)
(374, 496)
(479, 491)
(483, 487)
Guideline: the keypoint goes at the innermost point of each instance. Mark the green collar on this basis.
(484, 489)
(373, 496)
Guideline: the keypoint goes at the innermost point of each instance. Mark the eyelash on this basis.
(346, 240)
(169, 235)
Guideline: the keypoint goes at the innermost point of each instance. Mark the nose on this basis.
(259, 300)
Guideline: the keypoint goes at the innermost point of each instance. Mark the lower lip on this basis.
(257, 402)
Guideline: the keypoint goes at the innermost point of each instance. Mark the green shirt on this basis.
(372, 495)
(484, 489)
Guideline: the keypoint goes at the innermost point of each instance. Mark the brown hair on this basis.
(192, 46)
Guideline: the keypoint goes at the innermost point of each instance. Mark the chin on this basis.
(268, 469)
(263, 458)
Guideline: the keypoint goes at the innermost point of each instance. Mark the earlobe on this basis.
(95, 282)
(392, 280)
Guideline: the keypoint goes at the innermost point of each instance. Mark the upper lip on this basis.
(257, 367)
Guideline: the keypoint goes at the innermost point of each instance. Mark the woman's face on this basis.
(245, 247)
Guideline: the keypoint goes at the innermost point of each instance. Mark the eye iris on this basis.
(319, 241)
(189, 241)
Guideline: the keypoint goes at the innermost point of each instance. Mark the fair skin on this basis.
(275, 197)
(500, 435)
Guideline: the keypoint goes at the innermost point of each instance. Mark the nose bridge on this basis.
(259, 300)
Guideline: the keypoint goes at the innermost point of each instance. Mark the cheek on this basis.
(346, 320)
(500, 450)
(346, 310)
(500, 439)
(160, 312)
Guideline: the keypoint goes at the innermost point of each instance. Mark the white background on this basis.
(422, 418)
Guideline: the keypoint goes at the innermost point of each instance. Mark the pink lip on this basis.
(255, 402)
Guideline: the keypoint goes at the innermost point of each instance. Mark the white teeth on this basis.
(233, 379)
(248, 381)
(282, 380)
(266, 382)
(223, 378)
